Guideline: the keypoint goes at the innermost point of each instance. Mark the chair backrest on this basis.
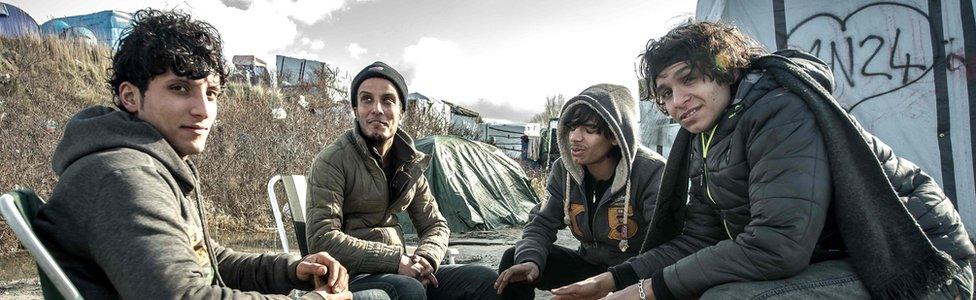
(19, 208)
(296, 188)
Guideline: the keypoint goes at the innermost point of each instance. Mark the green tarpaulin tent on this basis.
(476, 186)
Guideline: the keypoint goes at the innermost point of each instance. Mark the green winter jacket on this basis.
(350, 211)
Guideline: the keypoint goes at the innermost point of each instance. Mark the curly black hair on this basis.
(166, 40)
(712, 50)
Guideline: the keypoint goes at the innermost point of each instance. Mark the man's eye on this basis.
(688, 79)
(179, 88)
(666, 95)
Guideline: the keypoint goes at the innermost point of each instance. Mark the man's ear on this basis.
(130, 97)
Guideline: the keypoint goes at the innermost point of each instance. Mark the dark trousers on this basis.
(563, 267)
(468, 282)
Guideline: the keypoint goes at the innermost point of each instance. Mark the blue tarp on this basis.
(16, 22)
(106, 25)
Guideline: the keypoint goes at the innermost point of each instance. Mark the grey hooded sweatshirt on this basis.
(125, 222)
(607, 241)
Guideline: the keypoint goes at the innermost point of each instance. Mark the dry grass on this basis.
(48, 80)
(41, 81)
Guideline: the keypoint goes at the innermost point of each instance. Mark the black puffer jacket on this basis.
(759, 207)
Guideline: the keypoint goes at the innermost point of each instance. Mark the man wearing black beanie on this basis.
(359, 183)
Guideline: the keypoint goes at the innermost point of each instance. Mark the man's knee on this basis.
(395, 285)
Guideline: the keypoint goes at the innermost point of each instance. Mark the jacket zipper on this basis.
(708, 191)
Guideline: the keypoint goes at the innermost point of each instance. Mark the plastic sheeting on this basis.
(107, 26)
(899, 67)
(16, 22)
(476, 186)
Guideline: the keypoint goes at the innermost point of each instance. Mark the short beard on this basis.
(372, 139)
(375, 139)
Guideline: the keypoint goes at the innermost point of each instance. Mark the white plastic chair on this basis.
(296, 189)
(16, 210)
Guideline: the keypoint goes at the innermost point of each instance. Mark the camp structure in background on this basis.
(106, 26)
(16, 22)
(657, 130)
(252, 70)
(463, 117)
(507, 137)
(430, 107)
(477, 187)
(294, 71)
(901, 68)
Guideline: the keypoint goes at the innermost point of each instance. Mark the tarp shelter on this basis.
(507, 137)
(476, 186)
(901, 68)
(107, 26)
(292, 71)
(16, 22)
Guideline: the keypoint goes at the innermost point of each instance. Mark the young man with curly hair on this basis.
(773, 190)
(126, 217)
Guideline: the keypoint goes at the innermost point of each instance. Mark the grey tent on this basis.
(901, 68)
(476, 185)
(16, 22)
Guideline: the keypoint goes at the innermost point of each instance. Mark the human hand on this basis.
(527, 271)
(325, 271)
(591, 288)
(426, 271)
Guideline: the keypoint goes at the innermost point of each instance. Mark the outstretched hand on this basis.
(527, 271)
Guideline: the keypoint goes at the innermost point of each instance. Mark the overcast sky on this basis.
(501, 58)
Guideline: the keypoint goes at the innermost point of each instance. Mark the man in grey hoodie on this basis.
(603, 187)
(125, 219)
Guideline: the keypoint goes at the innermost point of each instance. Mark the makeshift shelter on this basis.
(80, 33)
(107, 26)
(507, 137)
(253, 69)
(476, 186)
(431, 107)
(900, 68)
(16, 22)
(54, 27)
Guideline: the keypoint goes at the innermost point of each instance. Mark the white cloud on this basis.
(355, 50)
(267, 27)
(314, 44)
(433, 64)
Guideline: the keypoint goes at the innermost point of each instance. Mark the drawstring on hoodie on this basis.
(206, 234)
(625, 241)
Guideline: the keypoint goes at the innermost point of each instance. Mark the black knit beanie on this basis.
(381, 70)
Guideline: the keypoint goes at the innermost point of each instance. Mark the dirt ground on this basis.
(18, 275)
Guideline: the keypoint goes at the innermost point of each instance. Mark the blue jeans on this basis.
(833, 279)
(370, 295)
(469, 282)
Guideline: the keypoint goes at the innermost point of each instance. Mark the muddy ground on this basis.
(18, 276)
